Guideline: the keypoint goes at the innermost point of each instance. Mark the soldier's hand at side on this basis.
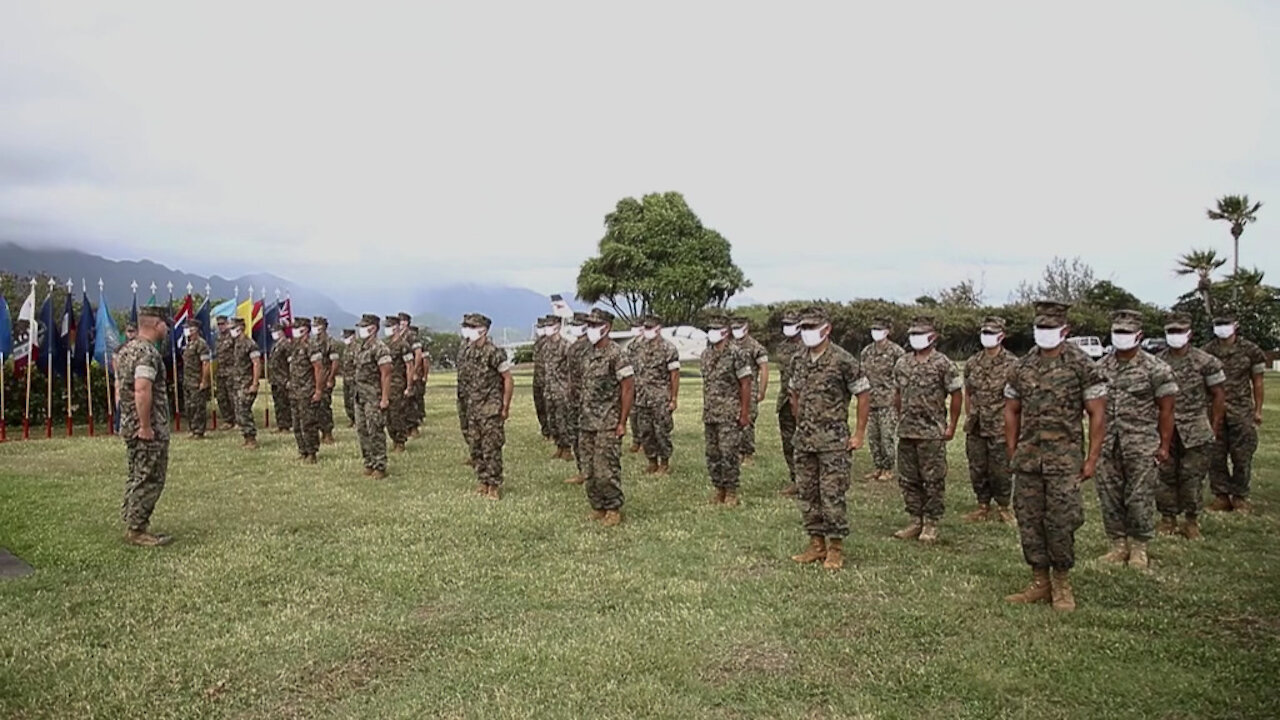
(671, 406)
(384, 404)
(1217, 431)
(146, 433)
(621, 430)
(1088, 469)
(408, 392)
(856, 442)
(203, 386)
(744, 421)
(1162, 456)
(949, 434)
(760, 398)
(253, 388)
(506, 413)
(330, 385)
(1257, 417)
(315, 397)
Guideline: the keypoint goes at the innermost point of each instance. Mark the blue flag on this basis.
(106, 338)
(84, 338)
(133, 314)
(6, 330)
(206, 327)
(47, 340)
(269, 320)
(62, 337)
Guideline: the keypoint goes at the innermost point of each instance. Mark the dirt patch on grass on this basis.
(1251, 631)
(746, 660)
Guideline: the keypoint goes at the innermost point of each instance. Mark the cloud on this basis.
(845, 150)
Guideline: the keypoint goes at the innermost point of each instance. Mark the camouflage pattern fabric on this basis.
(924, 384)
(148, 459)
(302, 386)
(556, 391)
(653, 430)
(196, 400)
(464, 357)
(759, 359)
(482, 384)
(786, 354)
(601, 466)
(278, 376)
(1049, 511)
(224, 375)
(882, 437)
(1181, 489)
(878, 361)
(1241, 360)
(599, 386)
(573, 362)
(822, 481)
(984, 380)
(397, 413)
(922, 476)
(654, 361)
(989, 469)
(724, 453)
(245, 351)
(540, 383)
(348, 369)
(330, 350)
(369, 356)
(723, 368)
(486, 453)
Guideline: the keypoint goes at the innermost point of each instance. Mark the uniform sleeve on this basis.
(623, 367)
(762, 355)
(1258, 360)
(384, 355)
(1212, 371)
(1093, 382)
(743, 365)
(953, 378)
(855, 380)
(899, 374)
(143, 369)
(499, 362)
(673, 357)
(1012, 384)
(206, 355)
(255, 354)
(1162, 380)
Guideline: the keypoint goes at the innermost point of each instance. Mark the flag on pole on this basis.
(226, 308)
(269, 320)
(106, 336)
(62, 346)
(206, 327)
(25, 332)
(251, 313)
(84, 337)
(44, 351)
(6, 330)
(178, 335)
(286, 317)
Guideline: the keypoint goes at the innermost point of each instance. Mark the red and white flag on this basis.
(286, 317)
(25, 332)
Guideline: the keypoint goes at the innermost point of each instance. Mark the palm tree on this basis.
(1236, 210)
(1202, 264)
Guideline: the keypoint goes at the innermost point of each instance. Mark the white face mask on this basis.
(715, 336)
(1177, 341)
(812, 337)
(1048, 338)
(790, 330)
(637, 331)
(388, 332)
(1224, 331)
(739, 333)
(595, 333)
(364, 331)
(920, 341)
(191, 332)
(235, 332)
(347, 340)
(579, 330)
(879, 335)
(276, 335)
(651, 334)
(1124, 341)
(477, 334)
(300, 333)
(989, 341)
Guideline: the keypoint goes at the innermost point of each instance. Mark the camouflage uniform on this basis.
(985, 376)
(878, 361)
(1241, 360)
(1050, 446)
(760, 365)
(653, 362)
(330, 354)
(540, 380)
(347, 366)
(599, 388)
(786, 353)
(1181, 487)
(573, 363)
(194, 355)
(556, 353)
(368, 357)
(224, 376)
(724, 366)
(304, 356)
(278, 376)
(823, 385)
(482, 382)
(924, 384)
(244, 351)
(401, 356)
(1127, 473)
(464, 357)
(148, 459)
(418, 400)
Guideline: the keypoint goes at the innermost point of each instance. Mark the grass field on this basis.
(302, 591)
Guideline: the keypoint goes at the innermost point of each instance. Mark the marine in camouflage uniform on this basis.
(347, 366)
(306, 383)
(146, 439)
(196, 358)
(878, 360)
(557, 390)
(1243, 363)
(540, 378)
(727, 370)
(278, 376)
(985, 375)
(401, 379)
(246, 362)
(486, 382)
(370, 381)
(463, 358)
(421, 369)
(1198, 416)
(1140, 396)
(924, 379)
(573, 363)
(1048, 389)
(741, 330)
(786, 353)
(656, 363)
(605, 392)
(822, 381)
(628, 354)
(330, 354)
(224, 373)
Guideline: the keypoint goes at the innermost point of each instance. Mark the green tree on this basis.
(1062, 279)
(1236, 210)
(657, 256)
(1202, 264)
(1255, 304)
(1106, 295)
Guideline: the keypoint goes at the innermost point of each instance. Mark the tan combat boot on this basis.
(1138, 559)
(469, 462)
(789, 490)
(835, 554)
(1191, 529)
(250, 443)
(1006, 515)
(142, 538)
(398, 447)
(575, 480)
(596, 515)
(612, 518)
(1037, 592)
(717, 497)
(327, 439)
(652, 469)
(664, 467)
(412, 433)
(1241, 505)
(635, 448)
(982, 514)
(311, 459)
(912, 531)
(1119, 553)
(368, 471)
(748, 460)
(493, 492)
(1221, 503)
(1168, 525)
(482, 489)
(1063, 599)
(887, 476)
(929, 532)
(816, 551)
(873, 475)
(378, 474)
(731, 498)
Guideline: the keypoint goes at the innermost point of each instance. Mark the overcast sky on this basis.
(845, 149)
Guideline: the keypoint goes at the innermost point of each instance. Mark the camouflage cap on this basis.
(882, 323)
(238, 322)
(1051, 313)
(790, 317)
(651, 321)
(598, 316)
(413, 328)
(277, 326)
(922, 324)
(392, 320)
(812, 317)
(302, 322)
(348, 332)
(320, 321)
(739, 321)
(580, 318)
(159, 312)
(1179, 321)
(220, 319)
(194, 323)
(717, 321)
(1127, 321)
(368, 320)
(552, 320)
(131, 326)
(541, 322)
(994, 323)
(476, 320)
(404, 317)
(1224, 317)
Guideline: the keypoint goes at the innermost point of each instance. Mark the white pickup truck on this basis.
(1090, 344)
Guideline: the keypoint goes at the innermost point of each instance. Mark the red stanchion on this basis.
(90, 426)
(214, 416)
(69, 431)
(48, 427)
(26, 429)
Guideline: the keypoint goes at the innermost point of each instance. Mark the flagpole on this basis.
(4, 417)
(26, 410)
(70, 289)
(173, 362)
(48, 370)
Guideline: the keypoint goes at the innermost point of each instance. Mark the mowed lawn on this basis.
(313, 591)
